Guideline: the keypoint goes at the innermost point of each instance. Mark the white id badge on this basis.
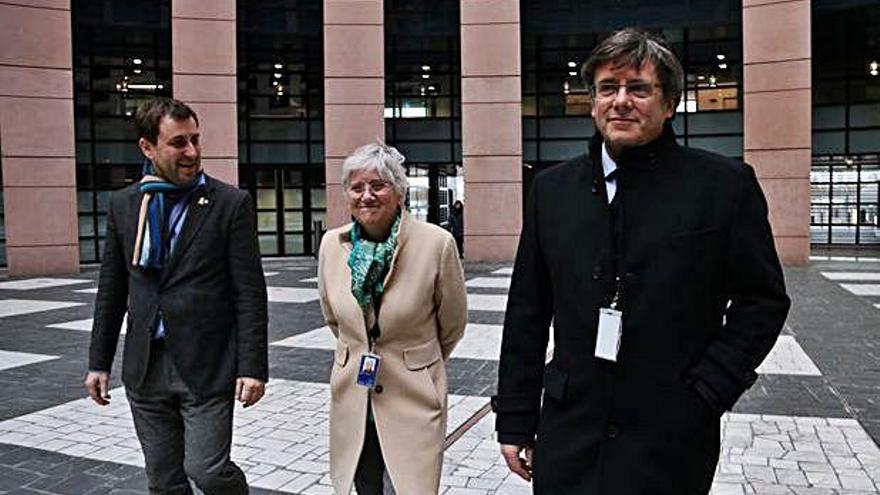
(368, 370)
(608, 336)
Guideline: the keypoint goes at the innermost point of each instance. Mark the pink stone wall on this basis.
(777, 116)
(354, 89)
(204, 65)
(491, 128)
(37, 139)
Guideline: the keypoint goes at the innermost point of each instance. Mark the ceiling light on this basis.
(137, 71)
(128, 113)
(701, 77)
(426, 68)
(279, 66)
(425, 76)
(137, 61)
(722, 66)
(160, 86)
(277, 75)
(721, 56)
(572, 64)
(572, 73)
(274, 83)
(431, 88)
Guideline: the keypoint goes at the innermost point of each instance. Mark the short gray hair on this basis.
(386, 160)
(632, 47)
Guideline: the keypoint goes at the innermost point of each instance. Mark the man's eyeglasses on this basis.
(636, 89)
(377, 188)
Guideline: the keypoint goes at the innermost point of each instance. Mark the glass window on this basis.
(121, 58)
(280, 59)
(844, 199)
(423, 99)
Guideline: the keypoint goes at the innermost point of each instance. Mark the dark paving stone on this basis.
(472, 376)
(791, 396)
(486, 317)
(12, 478)
(294, 363)
(838, 330)
(28, 491)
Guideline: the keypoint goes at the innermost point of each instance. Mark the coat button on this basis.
(378, 389)
(612, 431)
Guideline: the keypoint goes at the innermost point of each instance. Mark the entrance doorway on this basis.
(291, 206)
(432, 190)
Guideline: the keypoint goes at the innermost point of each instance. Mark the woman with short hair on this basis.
(392, 292)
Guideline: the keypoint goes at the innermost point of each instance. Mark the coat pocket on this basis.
(422, 355)
(341, 353)
(555, 383)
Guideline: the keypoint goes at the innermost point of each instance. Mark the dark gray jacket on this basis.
(212, 294)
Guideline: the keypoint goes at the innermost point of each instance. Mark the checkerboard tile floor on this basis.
(282, 442)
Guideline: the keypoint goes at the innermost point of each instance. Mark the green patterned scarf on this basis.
(369, 262)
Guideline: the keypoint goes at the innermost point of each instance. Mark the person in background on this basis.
(456, 225)
(392, 292)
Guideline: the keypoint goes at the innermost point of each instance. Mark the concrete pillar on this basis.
(491, 125)
(204, 67)
(354, 89)
(37, 138)
(777, 116)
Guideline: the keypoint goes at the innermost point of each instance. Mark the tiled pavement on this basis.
(806, 427)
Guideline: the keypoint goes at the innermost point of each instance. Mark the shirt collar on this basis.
(608, 163)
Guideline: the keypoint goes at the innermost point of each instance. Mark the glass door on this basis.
(289, 201)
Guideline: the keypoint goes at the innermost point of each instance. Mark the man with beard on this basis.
(181, 257)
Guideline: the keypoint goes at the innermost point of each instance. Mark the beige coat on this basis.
(423, 315)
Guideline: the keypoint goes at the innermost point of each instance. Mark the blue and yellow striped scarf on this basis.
(150, 250)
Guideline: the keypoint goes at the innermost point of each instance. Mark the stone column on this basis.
(37, 138)
(491, 124)
(354, 89)
(777, 116)
(204, 67)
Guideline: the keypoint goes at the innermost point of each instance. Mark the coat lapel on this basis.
(401, 240)
(200, 205)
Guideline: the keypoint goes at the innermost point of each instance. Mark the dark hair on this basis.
(150, 114)
(631, 47)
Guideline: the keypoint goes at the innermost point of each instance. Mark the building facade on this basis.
(479, 95)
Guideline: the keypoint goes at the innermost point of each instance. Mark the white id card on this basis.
(608, 336)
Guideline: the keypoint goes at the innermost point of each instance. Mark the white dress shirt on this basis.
(608, 166)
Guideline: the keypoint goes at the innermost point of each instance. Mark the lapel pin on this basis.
(202, 201)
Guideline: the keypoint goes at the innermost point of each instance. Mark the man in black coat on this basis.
(181, 257)
(657, 267)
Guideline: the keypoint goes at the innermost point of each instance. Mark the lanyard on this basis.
(616, 225)
(374, 332)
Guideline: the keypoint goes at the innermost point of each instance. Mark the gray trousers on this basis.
(183, 437)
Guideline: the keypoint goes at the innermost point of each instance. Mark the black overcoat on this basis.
(212, 294)
(695, 238)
